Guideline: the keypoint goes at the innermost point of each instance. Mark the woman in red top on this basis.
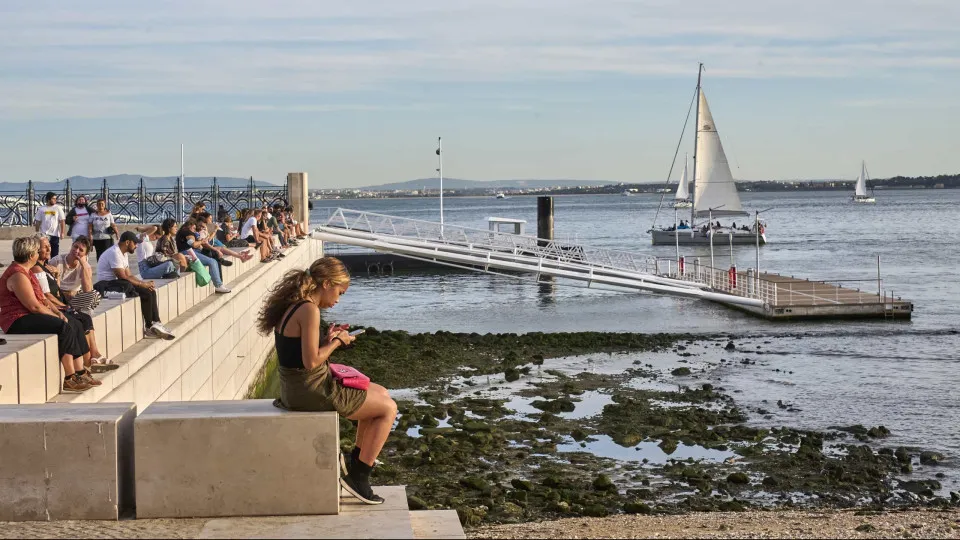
(24, 310)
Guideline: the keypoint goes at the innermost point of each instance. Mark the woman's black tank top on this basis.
(289, 349)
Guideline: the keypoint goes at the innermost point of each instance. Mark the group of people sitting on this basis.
(44, 292)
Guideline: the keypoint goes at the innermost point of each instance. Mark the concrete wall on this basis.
(217, 353)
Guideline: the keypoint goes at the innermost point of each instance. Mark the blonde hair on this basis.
(297, 285)
(25, 247)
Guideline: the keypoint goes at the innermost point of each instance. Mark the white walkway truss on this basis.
(492, 252)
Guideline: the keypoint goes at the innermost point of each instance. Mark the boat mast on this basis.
(696, 140)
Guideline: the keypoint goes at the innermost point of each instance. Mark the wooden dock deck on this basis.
(788, 298)
(799, 299)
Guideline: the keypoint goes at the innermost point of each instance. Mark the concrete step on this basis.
(436, 524)
(356, 520)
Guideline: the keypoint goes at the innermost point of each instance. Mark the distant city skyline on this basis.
(357, 94)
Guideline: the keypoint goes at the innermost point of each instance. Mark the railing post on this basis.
(142, 201)
(252, 190)
(31, 205)
(215, 195)
(105, 191)
(67, 194)
(179, 214)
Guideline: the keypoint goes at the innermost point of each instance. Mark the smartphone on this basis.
(357, 332)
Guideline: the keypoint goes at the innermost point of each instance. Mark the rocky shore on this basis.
(538, 427)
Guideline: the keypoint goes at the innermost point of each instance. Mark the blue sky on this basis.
(355, 93)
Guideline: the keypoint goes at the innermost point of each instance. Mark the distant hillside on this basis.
(132, 181)
(458, 183)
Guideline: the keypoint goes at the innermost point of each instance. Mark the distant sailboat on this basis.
(714, 191)
(860, 192)
(682, 198)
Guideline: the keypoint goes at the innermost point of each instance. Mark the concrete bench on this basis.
(235, 458)
(66, 461)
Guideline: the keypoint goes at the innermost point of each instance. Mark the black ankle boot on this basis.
(357, 483)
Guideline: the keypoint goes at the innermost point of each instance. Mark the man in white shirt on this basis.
(113, 273)
(51, 221)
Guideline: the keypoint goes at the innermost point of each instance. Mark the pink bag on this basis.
(349, 377)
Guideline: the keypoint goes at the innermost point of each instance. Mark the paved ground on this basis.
(757, 524)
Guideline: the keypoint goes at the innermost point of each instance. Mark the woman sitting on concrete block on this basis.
(24, 310)
(292, 312)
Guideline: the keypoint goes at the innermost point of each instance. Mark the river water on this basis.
(902, 375)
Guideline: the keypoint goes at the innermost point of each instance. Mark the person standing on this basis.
(51, 222)
(78, 218)
(102, 228)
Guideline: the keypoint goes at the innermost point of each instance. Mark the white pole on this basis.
(879, 283)
(731, 248)
(182, 187)
(710, 232)
(440, 170)
(676, 235)
(756, 225)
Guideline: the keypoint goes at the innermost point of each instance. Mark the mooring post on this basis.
(544, 220)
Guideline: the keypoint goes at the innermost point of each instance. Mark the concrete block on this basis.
(173, 393)
(173, 296)
(163, 299)
(196, 375)
(9, 382)
(205, 393)
(31, 371)
(170, 369)
(234, 470)
(128, 323)
(147, 384)
(100, 329)
(182, 284)
(41, 479)
(53, 374)
(114, 329)
(137, 320)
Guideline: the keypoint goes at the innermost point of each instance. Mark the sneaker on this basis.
(88, 378)
(361, 490)
(222, 290)
(150, 333)
(75, 384)
(225, 262)
(344, 471)
(161, 332)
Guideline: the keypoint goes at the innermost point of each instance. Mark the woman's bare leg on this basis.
(378, 411)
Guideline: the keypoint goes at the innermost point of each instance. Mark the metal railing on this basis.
(143, 204)
(500, 242)
(740, 283)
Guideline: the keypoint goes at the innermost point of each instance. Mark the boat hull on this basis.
(692, 237)
(683, 204)
(864, 200)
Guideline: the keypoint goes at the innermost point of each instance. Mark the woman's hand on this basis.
(340, 333)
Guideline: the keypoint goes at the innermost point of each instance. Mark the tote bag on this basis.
(200, 272)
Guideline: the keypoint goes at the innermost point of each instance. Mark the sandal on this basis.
(101, 364)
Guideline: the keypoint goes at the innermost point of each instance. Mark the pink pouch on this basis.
(349, 377)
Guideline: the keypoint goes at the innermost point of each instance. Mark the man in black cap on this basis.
(113, 274)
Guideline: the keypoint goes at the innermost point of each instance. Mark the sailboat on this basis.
(714, 192)
(682, 198)
(860, 192)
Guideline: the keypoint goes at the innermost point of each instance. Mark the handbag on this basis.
(156, 259)
(349, 376)
(200, 272)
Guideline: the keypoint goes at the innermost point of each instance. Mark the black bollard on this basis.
(544, 219)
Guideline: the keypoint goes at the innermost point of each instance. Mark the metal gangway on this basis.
(515, 255)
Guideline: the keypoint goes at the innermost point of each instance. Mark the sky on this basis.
(356, 93)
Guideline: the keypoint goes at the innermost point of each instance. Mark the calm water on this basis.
(901, 375)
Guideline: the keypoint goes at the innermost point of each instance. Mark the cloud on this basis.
(121, 58)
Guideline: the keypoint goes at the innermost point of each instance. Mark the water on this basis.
(902, 375)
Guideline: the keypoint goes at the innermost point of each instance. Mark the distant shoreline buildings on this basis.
(897, 182)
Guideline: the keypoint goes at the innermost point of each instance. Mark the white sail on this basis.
(861, 190)
(713, 186)
(683, 192)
